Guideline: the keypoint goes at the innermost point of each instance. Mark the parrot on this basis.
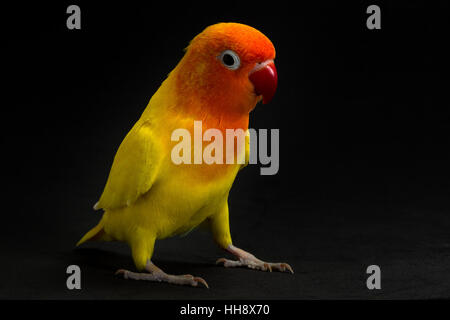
(225, 71)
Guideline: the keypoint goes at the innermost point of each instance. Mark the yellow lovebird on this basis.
(226, 70)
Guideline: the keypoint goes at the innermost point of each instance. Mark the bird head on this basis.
(227, 68)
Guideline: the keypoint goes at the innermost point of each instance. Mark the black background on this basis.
(364, 133)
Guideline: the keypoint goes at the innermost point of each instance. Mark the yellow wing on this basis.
(134, 168)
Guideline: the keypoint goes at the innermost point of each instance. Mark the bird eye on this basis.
(230, 59)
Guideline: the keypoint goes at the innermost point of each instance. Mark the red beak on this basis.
(265, 79)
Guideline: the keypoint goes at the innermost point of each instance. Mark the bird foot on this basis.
(256, 265)
(248, 260)
(161, 276)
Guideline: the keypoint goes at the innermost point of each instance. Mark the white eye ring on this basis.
(230, 59)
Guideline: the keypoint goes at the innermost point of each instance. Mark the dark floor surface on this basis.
(329, 247)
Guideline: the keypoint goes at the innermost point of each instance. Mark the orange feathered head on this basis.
(227, 68)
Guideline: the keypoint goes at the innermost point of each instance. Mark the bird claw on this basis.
(255, 264)
(285, 267)
(195, 280)
(202, 281)
(122, 272)
(221, 260)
